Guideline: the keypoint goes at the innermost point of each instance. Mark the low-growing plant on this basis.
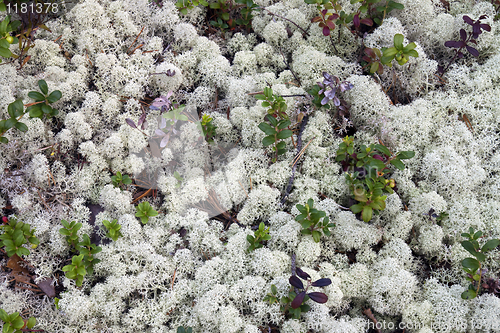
(13, 323)
(168, 127)
(400, 52)
(113, 229)
(76, 270)
(279, 127)
(70, 231)
(6, 27)
(465, 39)
(181, 329)
(260, 235)
(367, 182)
(88, 250)
(207, 128)
(41, 107)
(309, 219)
(294, 304)
(15, 234)
(472, 266)
(145, 211)
(119, 180)
(326, 91)
(375, 14)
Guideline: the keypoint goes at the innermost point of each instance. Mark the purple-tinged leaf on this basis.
(164, 141)
(144, 125)
(460, 55)
(296, 282)
(325, 100)
(326, 31)
(324, 11)
(482, 17)
(473, 51)
(297, 301)
(463, 35)
(370, 53)
(367, 21)
(318, 297)
(346, 85)
(473, 41)
(159, 132)
(302, 274)
(170, 72)
(356, 20)
(130, 122)
(141, 119)
(452, 43)
(468, 20)
(440, 69)
(336, 101)
(321, 283)
(476, 30)
(485, 27)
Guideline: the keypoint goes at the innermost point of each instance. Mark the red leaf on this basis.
(334, 16)
(297, 301)
(356, 20)
(370, 53)
(326, 31)
(485, 27)
(330, 25)
(367, 21)
(316, 19)
(318, 297)
(463, 34)
(295, 281)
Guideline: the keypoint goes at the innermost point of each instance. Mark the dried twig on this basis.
(135, 40)
(369, 314)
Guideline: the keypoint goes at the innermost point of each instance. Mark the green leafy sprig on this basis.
(13, 323)
(15, 234)
(119, 180)
(88, 250)
(400, 52)
(113, 229)
(309, 219)
(70, 230)
(76, 270)
(472, 266)
(145, 211)
(260, 235)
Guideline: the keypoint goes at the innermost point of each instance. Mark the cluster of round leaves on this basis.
(375, 59)
(13, 323)
(367, 183)
(295, 303)
(6, 39)
(113, 229)
(42, 100)
(261, 234)
(309, 219)
(145, 211)
(472, 266)
(15, 234)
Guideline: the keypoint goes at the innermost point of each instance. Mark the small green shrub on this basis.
(88, 250)
(261, 234)
(119, 180)
(13, 323)
(472, 266)
(76, 270)
(400, 52)
(309, 219)
(367, 183)
(207, 128)
(70, 231)
(113, 229)
(145, 211)
(15, 234)
(42, 100)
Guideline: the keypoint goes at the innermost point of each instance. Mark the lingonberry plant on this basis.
(465, 39)
(76, 270)
(472, 266)
(367, 182)
(309, 219)
(113, 229)
(15, 234)
(400, 52)
(145, 211)
(88, 250)
(295, 303)
(261, 234)
(70, 231)
(207, 128)
(119, 180)
(13, 323)
(278, 129)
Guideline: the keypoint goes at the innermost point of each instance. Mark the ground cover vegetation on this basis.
(205, 150)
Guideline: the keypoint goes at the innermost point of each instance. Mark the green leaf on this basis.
(405, 155)
(4, 140)
(43, 87)
(268, 140)
(357, 208)
(490, 245)
(56, 95)
(9, 123)
(469, 247)
(398, 164)
(316, 236)
(480, 256)
(31, 322)
(469, 294)
(284, 124)
(225, 16)
(36, 96)
(46, 108)
(383, 149)
(398, 41)
(367, 213)
(260, 97)
(268, 129)
(284, 134)
(471, 263)
(5, 52)
(5, 317)
(18, 322)
(272, 120)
